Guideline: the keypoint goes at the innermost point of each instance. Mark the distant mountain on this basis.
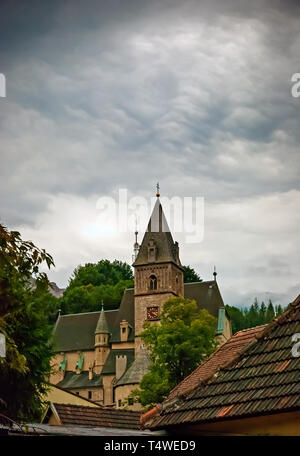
(55, 290)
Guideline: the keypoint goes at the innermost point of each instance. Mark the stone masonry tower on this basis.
(158, 271)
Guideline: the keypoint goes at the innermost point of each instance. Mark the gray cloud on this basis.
(103, 96)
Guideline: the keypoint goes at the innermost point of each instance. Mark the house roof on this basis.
(264, 379)
(222, 356)
(70, 414)
(219, 358)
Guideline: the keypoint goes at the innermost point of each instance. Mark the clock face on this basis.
(152, 313)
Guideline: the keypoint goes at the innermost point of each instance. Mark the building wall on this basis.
(141, 303)
(60, 396)
(281, 424)
(96, 393)
(121, 394)
(72, 358)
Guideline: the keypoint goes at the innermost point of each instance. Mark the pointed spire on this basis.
(102, 327)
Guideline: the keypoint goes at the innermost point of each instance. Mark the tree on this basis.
(93, 283)
(270, 314)
(190, 275)
(185, 336)
(24, 321)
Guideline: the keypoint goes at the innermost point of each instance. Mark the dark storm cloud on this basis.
(120, 94)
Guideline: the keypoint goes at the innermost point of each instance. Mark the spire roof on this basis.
(102, 326)
(158, 233)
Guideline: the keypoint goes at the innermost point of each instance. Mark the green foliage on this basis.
(242, 318)
(93, 283)
(190, 275)
(25, 311)
(177, 346)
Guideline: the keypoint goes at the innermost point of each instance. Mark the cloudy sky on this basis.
(103, 96)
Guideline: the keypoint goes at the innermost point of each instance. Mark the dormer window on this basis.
(152, 282)
(151, 251)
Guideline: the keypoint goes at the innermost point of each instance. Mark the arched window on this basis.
(153, 282)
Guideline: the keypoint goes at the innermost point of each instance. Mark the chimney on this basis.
(90, 373)
(121, 364)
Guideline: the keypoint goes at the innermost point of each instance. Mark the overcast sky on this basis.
(122, 94)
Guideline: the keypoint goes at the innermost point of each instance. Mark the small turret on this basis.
(102, 348)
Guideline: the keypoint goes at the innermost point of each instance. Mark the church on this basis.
(99, 355)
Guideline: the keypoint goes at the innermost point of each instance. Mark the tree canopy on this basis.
(256, 315)
(184, 337)
(190, 275)
(94, 282)
(25, 310)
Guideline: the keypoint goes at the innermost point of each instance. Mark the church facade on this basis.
(99, 355)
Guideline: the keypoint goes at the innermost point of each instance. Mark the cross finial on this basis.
(215, 273)
(157, 190)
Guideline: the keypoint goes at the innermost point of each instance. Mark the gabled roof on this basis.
(222, 356)
(158, 231)
(77, 331)
(206, 294)
(264, 379)
(96, 416)
(219, 358)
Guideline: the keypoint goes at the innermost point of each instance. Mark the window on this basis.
(119, 402)
(153, 282)
(89, 394)
(130, 401)
(123, 330)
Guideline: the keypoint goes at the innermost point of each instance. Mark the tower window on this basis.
(153, 282)
(89, 394)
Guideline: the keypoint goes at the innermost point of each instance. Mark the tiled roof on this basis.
(72, 380)
(222, 356)
(77, 331)
(97, 416)
(263, 379)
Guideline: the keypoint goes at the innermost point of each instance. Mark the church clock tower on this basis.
(158, 274)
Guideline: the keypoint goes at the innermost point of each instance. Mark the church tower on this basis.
(158, 274)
